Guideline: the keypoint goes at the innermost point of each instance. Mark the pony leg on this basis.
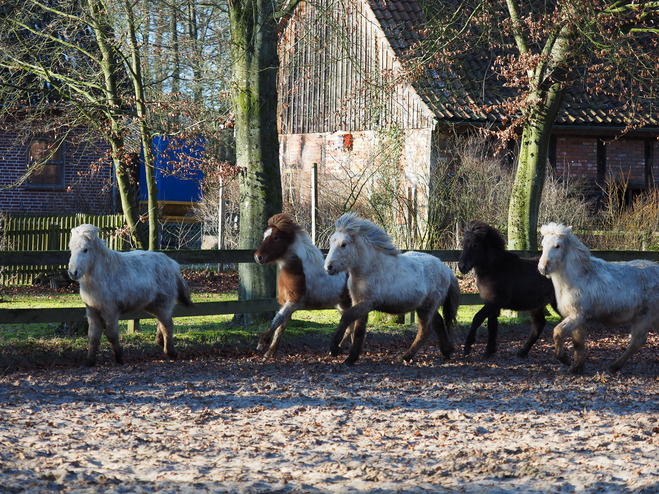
(112, 334)
(359, 311)
(166, 329)
(579, 344)
(94, 333)
(445, 344)
(476, 322)
(492, 334)
(272, 350)
(425, 326)
(564, 328)
(277, 326)
(538, 323)
(348, 337)
(638, 338)
(359, 334)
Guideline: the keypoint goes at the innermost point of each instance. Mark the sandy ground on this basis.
(306, 423)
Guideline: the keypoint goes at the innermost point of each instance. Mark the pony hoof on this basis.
(487, 355)
(88, 364)
(350, 361)
(335, 351)
(523, 353)
(404, 358)
(466, 351)
(447, 352)
(576, 370)
(612, 369)
(269, 355)
(565, 360)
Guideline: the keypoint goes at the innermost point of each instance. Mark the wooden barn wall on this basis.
(342, 75)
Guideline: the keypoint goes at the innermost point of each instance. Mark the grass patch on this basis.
(50, 343)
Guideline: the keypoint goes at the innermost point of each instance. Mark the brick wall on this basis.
(576, 157)
(87, 178)
(625, 158)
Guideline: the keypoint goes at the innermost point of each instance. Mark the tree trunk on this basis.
(531, 169)
(145, 131)
(548, 81)
(102, 31)
(255, 65)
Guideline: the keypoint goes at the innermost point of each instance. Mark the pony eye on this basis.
(85, 249)
(343, 244)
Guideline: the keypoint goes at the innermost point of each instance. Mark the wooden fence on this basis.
(48, 233)
(11, 316)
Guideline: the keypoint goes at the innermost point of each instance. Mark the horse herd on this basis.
(364, 271)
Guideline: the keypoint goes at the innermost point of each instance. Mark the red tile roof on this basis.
(465, 97)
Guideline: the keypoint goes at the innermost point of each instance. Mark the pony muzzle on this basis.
(73, 274)
(544, 269)
(330, 269)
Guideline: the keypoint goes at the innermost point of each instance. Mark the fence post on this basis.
(221, 219)
(314, 202)
(133, 326)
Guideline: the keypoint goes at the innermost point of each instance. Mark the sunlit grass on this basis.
(37, 341)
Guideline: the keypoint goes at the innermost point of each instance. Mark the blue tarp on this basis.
(178, 173)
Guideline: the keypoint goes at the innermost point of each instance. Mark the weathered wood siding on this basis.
(339, 73)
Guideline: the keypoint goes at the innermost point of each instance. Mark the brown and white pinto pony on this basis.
(302, 281)
(590, 290)
(114, 283)
(383, 279)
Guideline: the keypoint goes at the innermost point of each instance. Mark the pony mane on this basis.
(86, 230)
(484, 231)
(572, 243)
(285, 223)
(352, 224)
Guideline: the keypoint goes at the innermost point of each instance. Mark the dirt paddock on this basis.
(231, 422)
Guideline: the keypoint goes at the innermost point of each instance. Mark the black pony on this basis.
(505, 281)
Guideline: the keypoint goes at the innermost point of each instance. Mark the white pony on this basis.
(383, 279)
(589, 289)
(114, 283)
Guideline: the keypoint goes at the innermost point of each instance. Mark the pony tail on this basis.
(451, 305)
(183, 295)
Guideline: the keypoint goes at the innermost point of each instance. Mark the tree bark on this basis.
(145, 130)
(110, 70)
(255, 66)
(531, 170)
(549, 82)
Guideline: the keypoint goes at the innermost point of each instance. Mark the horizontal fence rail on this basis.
(20, 316)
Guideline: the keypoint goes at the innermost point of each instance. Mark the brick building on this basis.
(331, 116)
(69, 172)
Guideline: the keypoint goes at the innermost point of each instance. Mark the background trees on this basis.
(89, 62)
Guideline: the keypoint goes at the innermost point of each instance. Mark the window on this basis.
(45, 159)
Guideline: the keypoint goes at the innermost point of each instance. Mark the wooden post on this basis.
(314, 201)
(220, 223)
(133, 326)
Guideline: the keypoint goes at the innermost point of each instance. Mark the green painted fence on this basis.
(48, 233)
